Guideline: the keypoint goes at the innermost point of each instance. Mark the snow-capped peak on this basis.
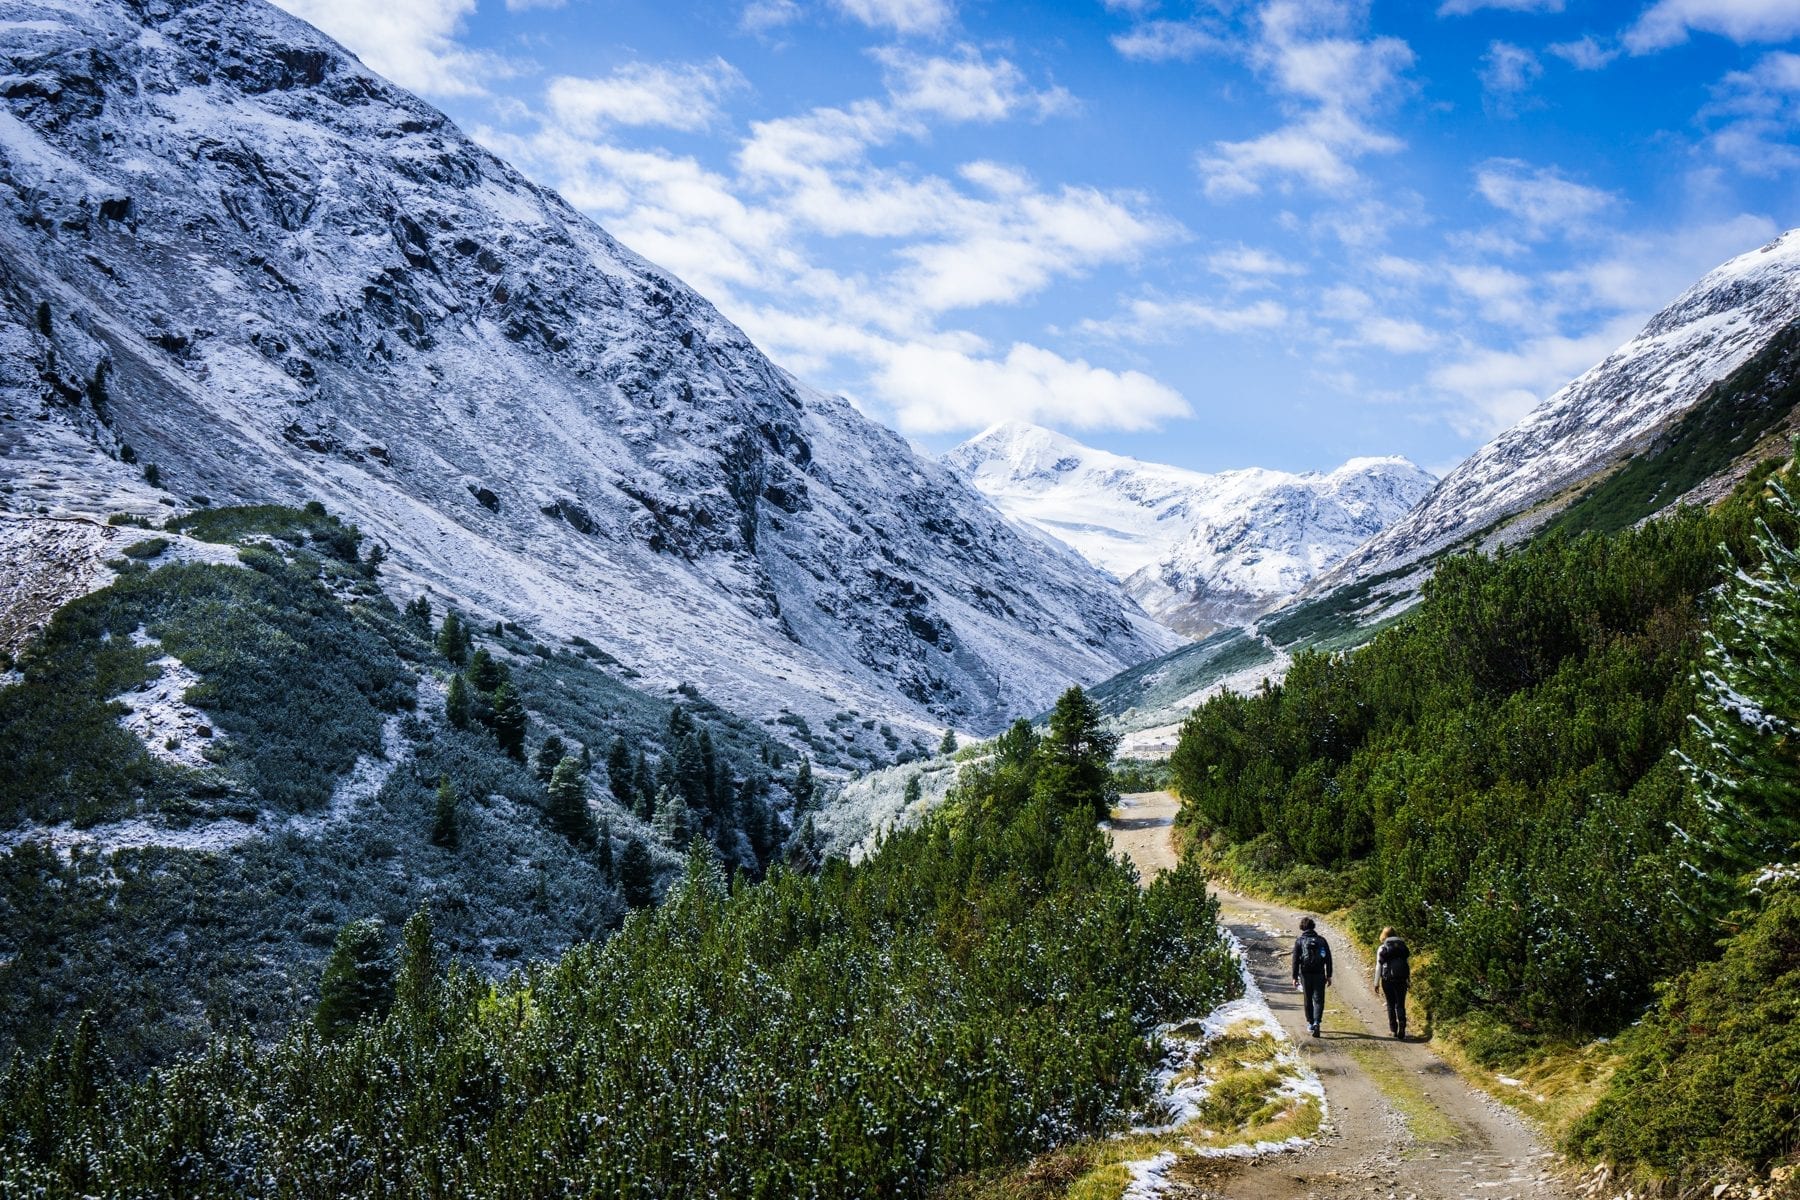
(1196, 549)
(1711, 330)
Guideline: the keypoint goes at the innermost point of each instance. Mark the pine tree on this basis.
(1745, 761)
(709, 768)
(509, 722)
(568, 805)
(603, 857)
(914, 791)
(418, 615)
(674, 823)
(690, 772)
(445, 830)
(485, 672)
(805, 849)
(619, 776)
(947, 747)
(417, 982)
(643, 785)
(550, 752)
(680, 724)
(457, 708)
(1075, 756)
(637, 874)
(803, 786)
(357, 983)
(1017, 745)
(453, 639)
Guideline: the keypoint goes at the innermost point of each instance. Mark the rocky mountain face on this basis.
(1600, 419)
(231, 253)
(1198, 551)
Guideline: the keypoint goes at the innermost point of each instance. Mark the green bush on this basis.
(1713, 1075)
(980, 988)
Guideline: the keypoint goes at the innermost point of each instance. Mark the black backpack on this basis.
(1312, 952)
(1394, 955)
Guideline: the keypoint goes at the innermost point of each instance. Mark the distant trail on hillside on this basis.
(1400, 1121)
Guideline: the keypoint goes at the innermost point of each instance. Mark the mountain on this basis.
(1198, 551)
(1601, 420)
(231, 253)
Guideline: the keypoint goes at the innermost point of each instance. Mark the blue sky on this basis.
(1220, 234)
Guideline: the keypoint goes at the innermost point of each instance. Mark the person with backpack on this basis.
(1392, 972)
(1312, 971)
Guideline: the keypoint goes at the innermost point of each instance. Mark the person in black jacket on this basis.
(1393, 972)
(1312, 971)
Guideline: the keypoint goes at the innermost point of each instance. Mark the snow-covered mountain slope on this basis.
(1198, 551)
(1699, 340)
(228, 249)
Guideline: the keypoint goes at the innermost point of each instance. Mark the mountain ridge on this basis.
(230, 250)
(1199, 551)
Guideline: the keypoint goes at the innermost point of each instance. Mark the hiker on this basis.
(1392, 972)
(1312, 971)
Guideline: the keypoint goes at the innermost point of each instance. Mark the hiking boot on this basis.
(1315, 1031)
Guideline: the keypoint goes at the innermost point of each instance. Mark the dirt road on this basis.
(1400, 1122)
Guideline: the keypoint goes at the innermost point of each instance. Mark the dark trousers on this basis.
(1395, 991)
(1312, 988)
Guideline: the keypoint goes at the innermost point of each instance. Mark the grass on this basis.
(1247, 1104)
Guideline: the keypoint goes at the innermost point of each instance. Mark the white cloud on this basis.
(1368, 324)
(1585, 53)
(1759, 115)
(1248, 265)
(524, 5)
(1668, 22)
(1540, 197)
(1462, 8)
(1506, 71)
(1168, 41)
(1152, 319)
(939, 389)
(760, 16)
(412, 42)
(670, 96)
(966, 87)
(1331, 83)
(902, 16)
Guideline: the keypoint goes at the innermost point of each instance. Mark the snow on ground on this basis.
(1182, 1090)
(172, 730)
(359, 785)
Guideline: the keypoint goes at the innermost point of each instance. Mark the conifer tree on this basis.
(453, 639)
(445, 829)
(509, 722)
(690, 772)
(1074, 757)
(603, 857)
(587, 759)
(486, 673)
(680, 724)
(805, 849)
(643, 783)
(1745, 763)
(619, 775)
(803, 786)
(709, 767)
(550, 752)
(357, 983)
(458, 709)
(418, 615)
(568, 807)
(417, 981)
(914, 791)
(947, 747)
(674, 822)
(1017, 745)
(637, 874)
